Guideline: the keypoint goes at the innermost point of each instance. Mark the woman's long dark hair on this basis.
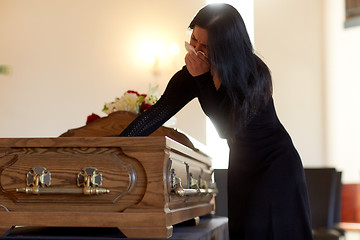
(244, 75)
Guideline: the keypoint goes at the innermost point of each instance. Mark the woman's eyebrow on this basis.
(193, 37)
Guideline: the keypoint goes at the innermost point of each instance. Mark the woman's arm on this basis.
(179, 91)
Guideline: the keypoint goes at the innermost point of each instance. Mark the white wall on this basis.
(289, 38)
(70, 57)
(342, 71)
(315, 66)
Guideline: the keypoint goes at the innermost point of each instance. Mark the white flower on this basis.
(132, 101)
(152, 95)
(153, 90)
(109, 107)
(128, 102)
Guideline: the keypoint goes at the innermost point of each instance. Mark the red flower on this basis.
(131, 91)
(144, 106)
(92, 118)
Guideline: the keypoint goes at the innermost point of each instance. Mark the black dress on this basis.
(267, 195)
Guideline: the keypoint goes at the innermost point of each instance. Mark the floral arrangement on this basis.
(130, 101)
(133, 102)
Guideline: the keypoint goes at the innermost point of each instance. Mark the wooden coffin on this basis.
(142, 185)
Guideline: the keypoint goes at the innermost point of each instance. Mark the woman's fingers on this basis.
(197, 64)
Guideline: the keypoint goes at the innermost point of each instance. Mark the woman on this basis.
(266, 187)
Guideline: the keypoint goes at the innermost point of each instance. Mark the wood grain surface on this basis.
(136, 170)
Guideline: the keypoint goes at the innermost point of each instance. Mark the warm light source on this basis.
(157, 54)
(149, 50)
(174, 49)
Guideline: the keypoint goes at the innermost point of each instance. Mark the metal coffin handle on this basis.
(194, 190)
(38, 179)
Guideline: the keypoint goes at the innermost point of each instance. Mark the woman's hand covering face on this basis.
(197, 64)
(196, 61)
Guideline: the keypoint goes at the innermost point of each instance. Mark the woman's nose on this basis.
(197, 47)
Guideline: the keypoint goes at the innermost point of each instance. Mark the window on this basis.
(352, 10)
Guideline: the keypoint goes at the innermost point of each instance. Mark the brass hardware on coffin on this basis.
(194, 189)
(88, 182)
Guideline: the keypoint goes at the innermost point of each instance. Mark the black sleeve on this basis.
(180, 90)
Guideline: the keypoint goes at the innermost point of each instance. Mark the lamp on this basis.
(157, 55)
